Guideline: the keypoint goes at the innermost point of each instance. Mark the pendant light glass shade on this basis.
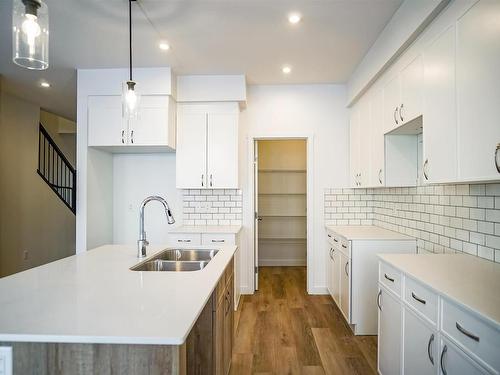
(30, 34)
(131, 100)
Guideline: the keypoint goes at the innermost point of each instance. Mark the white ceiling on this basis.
(252, 37)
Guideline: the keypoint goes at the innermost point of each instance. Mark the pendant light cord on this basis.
(130, 36)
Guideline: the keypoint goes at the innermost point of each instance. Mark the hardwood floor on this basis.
(283, 330)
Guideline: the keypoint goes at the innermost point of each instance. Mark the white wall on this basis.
(135, 177)
(311, 110)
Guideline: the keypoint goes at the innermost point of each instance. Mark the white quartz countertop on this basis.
(232, 229)
(366, 232)
(470, 281)
(95, 298)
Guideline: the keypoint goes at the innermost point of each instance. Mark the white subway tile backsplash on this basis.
(443, 218)
(212, 207)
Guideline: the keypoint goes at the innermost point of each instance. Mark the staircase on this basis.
(56, 170)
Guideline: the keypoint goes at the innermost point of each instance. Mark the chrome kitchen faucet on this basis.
(142, 243)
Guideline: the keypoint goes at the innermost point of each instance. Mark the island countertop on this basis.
(94, 297)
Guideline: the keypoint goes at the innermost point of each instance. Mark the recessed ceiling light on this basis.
(45, 84)
(286, 69)
(164, 46)
(294, 18)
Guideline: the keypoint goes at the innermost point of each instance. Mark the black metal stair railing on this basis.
(56, 170)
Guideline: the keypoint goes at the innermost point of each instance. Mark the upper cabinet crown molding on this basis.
(212, 88)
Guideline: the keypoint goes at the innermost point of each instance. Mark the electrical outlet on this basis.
(5, 360)
(25, 255)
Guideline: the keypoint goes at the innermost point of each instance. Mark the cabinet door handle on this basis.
(394, 115)
(429, 353)
(211, 180)
(388, 278)
(132, 136)
(466, 333)
(183, 240)
(218, 241)
(123, 136)
(424, 169)
(497, 161)
(401, 113)
(345, 268)
(380, 176)
(422, 301)
(443, 370)
(202, 179)
(378, 299)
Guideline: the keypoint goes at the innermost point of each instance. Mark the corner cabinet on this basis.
(154, 127)
(207, 146)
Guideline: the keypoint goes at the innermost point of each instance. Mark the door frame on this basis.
(309, 138)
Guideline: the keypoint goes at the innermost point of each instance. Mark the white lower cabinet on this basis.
(389, 333)
(422, 332)
(345, 287)
(453, 361)
(420, 346)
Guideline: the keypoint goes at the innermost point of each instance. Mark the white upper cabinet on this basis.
(377, 169)
(107, 127)
(222, 167)
(411, 91)
(478, 92)
(360, 143)
(207, 146)
(354, 145)
(392, 101)
(191, 156)
(154, 125)
(439, 120)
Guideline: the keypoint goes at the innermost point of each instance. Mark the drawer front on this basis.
(390, 278)
(217, 239)
(476, 336)
(424, 300)
(333, 239)
(185, 238)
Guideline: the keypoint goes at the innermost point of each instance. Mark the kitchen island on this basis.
(90, 313)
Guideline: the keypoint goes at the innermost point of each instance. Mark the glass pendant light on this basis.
(30, 34)
(130, 97)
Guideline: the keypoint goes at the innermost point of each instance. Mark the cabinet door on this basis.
(219, 317)
(420, 346)
(454, 361)
(392, 101)
(478, 91)
(411, 91)
(439, 120)
(354, 145)
(223, 150)
(389, 334)
(345, 286)
(365, 141)
(335, 275)
(228, 327)
(106, 125)
(191, 155)
(377, 138)
(151, 127)
(329, 268)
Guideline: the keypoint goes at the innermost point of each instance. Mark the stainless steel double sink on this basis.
(177, 260)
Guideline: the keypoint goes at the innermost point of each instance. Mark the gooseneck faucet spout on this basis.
(142, 243)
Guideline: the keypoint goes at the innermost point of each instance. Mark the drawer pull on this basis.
(467, 333)
(431, 340)
(378, 299)
(329, 235)
(443, 370)
(388, 278)
(344, 246)
(183, 240)
(417, 298)
(336, 240)
(218, 241)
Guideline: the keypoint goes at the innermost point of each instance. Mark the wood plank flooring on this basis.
(283, 330)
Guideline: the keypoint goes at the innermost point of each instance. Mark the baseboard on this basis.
(247, 290)
(318, 290)
(282, 262)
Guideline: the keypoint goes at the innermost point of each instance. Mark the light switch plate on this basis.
(5, 360)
